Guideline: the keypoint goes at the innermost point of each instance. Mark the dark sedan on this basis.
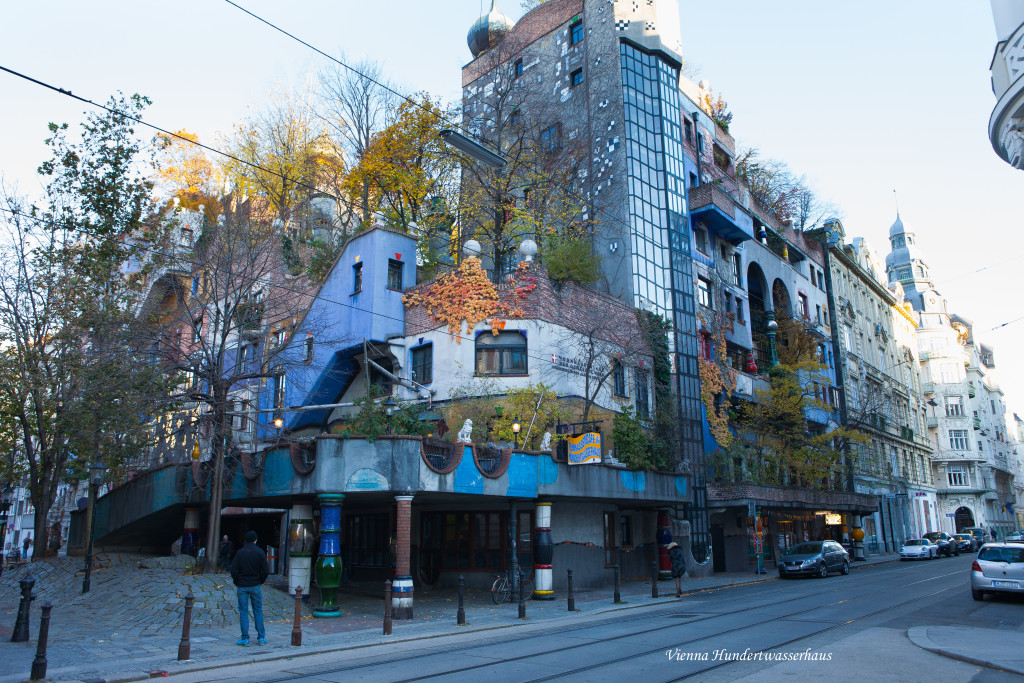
(965, 543)
(947, 544)
(814, 558)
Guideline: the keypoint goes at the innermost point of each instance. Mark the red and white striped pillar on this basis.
(543, 553)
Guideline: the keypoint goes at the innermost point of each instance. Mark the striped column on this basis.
(664, 538)
(190, 534)
(300, 547)
(543, 553)
(328, 565)
(401, 587)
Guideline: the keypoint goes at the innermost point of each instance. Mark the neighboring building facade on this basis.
(965, 411)
(877, 350)
(1006, 125)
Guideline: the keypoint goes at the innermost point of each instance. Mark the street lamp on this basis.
(5, 504)
(278, 421)
(515, 431)
(96, 472)
(389, 408)
(472, 148)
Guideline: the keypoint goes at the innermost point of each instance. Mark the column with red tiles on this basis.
(401, 587)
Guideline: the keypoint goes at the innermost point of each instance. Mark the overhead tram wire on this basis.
(136, 119)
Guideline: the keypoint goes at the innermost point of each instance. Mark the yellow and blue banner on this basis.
(585, 449)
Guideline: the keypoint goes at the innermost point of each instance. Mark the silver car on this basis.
(998, 569)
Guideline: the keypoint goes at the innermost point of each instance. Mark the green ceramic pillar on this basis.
(328, 566)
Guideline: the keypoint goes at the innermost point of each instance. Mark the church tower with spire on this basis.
(906, 264)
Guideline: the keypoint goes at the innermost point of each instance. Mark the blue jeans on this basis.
(253, 594)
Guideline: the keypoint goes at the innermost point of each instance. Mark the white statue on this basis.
(466, 433)
(545, 442)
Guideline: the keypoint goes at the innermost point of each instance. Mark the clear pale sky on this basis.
(861, 97)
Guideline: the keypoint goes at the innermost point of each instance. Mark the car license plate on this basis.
(1004, 584)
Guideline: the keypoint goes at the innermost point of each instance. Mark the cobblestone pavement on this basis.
(129, 624)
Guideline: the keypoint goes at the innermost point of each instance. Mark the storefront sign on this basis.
(833, 519)
(585, 449)
(575, 366)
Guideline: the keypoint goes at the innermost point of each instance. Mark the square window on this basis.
(575, 32)
(423, 364)
(704, 293)
(551, 138)
(576, 78)
(395, 274)
(958, 440)
(357, 278)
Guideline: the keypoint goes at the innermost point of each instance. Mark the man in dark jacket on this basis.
(250, 569)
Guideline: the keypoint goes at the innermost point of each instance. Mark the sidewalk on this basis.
(129, 624)
(995, 648)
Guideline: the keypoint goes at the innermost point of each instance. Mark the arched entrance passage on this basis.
(780, 299)
(757, 287)
(963, 518)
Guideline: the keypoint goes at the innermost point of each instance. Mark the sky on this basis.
(863, 98)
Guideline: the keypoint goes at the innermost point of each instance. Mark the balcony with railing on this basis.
(716, 208)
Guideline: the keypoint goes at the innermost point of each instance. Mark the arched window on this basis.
(501, 354)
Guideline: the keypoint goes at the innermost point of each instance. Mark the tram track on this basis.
(764, 599)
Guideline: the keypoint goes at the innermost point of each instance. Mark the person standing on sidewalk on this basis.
(675, 555)
(249, 569)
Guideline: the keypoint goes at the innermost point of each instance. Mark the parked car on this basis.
(979, 533)
(919, 549)
(998, 569)
(1016, 537)
(947, 546)
(966, 542)
(814, 558)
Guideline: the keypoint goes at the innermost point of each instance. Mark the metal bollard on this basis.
(20, 634)
(387, 607)
(572, 598)
(297, 626)
(654, 579)
(185, 646)
(522, 598)
(461, 617)
(618, 597)
(39, 663)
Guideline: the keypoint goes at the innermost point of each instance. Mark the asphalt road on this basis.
(841, 627)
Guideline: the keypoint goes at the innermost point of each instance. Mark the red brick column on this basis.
(401, 596)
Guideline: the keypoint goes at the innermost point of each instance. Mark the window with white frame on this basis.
(954, 406)
(950, 373)
(957, 475)
(958, 440)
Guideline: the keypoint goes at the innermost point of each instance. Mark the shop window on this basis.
(366, 540)
(626, 531)
(463, 541)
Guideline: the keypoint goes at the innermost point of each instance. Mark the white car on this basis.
(919, 549)
(998, 569)
(1015, 537)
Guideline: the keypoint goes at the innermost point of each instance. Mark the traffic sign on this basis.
(951, 514)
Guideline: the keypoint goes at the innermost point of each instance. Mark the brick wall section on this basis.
(570, 305)
(404, 526)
